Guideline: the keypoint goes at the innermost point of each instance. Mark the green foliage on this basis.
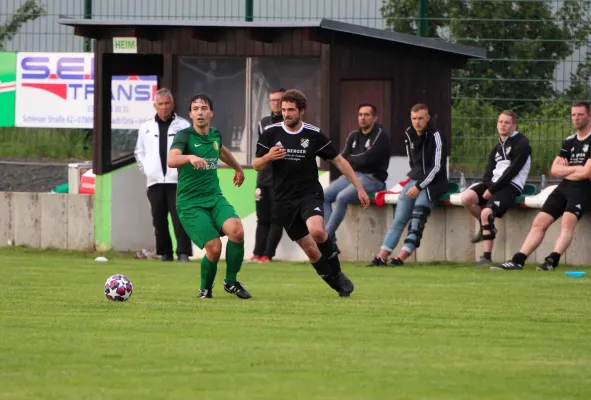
(525, 42)
(29, 11)
(59, 144)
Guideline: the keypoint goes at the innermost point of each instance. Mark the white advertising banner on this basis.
(56, 90)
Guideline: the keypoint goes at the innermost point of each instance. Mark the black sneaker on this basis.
(484, 262)
(397, 262)
(377, 262)
(547, 265)
(205, 294)
(346, 287)
(237, 289)
(508, 266)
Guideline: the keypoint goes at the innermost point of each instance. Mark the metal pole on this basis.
(422, 26)
(87, 15)
(249, 10)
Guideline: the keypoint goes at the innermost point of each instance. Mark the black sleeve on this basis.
(264, 143)
(521, 152)
(325, 149)
(490, 167)
(438, 162)
(407, 145)
(377, 150)
(565, 149)
(348, 145)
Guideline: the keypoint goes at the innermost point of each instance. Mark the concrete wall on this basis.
(131, 218)
(448, 232)
(42, 220)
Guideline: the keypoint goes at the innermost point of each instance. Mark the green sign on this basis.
(124, 45)
(7, 88)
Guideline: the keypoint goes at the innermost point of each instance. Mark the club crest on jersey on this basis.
(305, 143)
(354, 144)
(508, 150)
(585, 148)
(367, 144)
(216, 146)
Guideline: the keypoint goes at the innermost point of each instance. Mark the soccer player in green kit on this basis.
(204, 212)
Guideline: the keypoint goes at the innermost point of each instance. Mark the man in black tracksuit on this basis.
(508, 166)
(427, 155)
(269, 230)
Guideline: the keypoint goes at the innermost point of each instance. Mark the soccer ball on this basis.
(118, 288)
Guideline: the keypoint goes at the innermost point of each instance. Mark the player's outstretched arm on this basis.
(561, 168)
(345, 168)
(580, 173)
(228, 159)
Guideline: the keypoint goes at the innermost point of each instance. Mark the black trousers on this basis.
(162, 198)
(269, 229)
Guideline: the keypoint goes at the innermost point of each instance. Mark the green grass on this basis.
(424, 332)
(60, 144)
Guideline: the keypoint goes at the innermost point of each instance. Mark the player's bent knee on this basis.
(317, 233)
(213, 249)
(468, 198)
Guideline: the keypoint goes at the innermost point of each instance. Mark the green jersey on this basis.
(198, 187)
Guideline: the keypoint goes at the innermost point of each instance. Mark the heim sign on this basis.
(56, 90)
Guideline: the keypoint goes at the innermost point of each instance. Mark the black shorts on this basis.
(295, 214)
(500, 201)
(570, 197)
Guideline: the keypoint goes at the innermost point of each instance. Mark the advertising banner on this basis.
(56, 90)
(7, 88)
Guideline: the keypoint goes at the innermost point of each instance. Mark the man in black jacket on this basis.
(368, 151)
(269, 230)
(506, 172)
(427, 155)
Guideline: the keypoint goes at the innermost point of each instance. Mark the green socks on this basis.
(234, 259)
(208, 271)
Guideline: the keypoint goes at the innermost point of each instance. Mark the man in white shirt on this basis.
(153, 141)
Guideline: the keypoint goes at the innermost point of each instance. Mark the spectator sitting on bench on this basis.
(428, 181)
(368, 151)
(505, 176)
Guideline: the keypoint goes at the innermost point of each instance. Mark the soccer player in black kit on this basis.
(292, 146)
(569, 199)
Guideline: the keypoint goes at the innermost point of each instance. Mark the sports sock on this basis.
(555, 258)
(322, 267)
(519, 258)
(234, 259)
(487, 255)
(327, 248)
(208, 271)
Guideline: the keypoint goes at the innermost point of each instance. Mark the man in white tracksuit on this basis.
(153, 141)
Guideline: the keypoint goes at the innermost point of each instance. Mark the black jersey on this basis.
(576, 151)
(296, 175)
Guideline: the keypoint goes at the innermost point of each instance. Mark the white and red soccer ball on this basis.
(118, 288)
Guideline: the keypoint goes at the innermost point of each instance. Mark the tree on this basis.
(525, 42)
(29, 11)
(580, 89)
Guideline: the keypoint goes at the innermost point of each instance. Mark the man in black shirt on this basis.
(569, 199)
(368, 151)
(269, 229)
(506, 172)
(292, 146)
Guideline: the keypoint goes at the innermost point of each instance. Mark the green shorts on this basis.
(204, 223)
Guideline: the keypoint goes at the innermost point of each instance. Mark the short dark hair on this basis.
(374, 109)
(297, 97)
(280, 90)
(511, 114)
(203, 97)
(419, 107)
(582, 104)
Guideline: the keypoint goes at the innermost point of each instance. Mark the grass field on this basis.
(423, 332)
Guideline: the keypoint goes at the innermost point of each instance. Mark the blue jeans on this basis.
(343, 193)
(404, 214)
